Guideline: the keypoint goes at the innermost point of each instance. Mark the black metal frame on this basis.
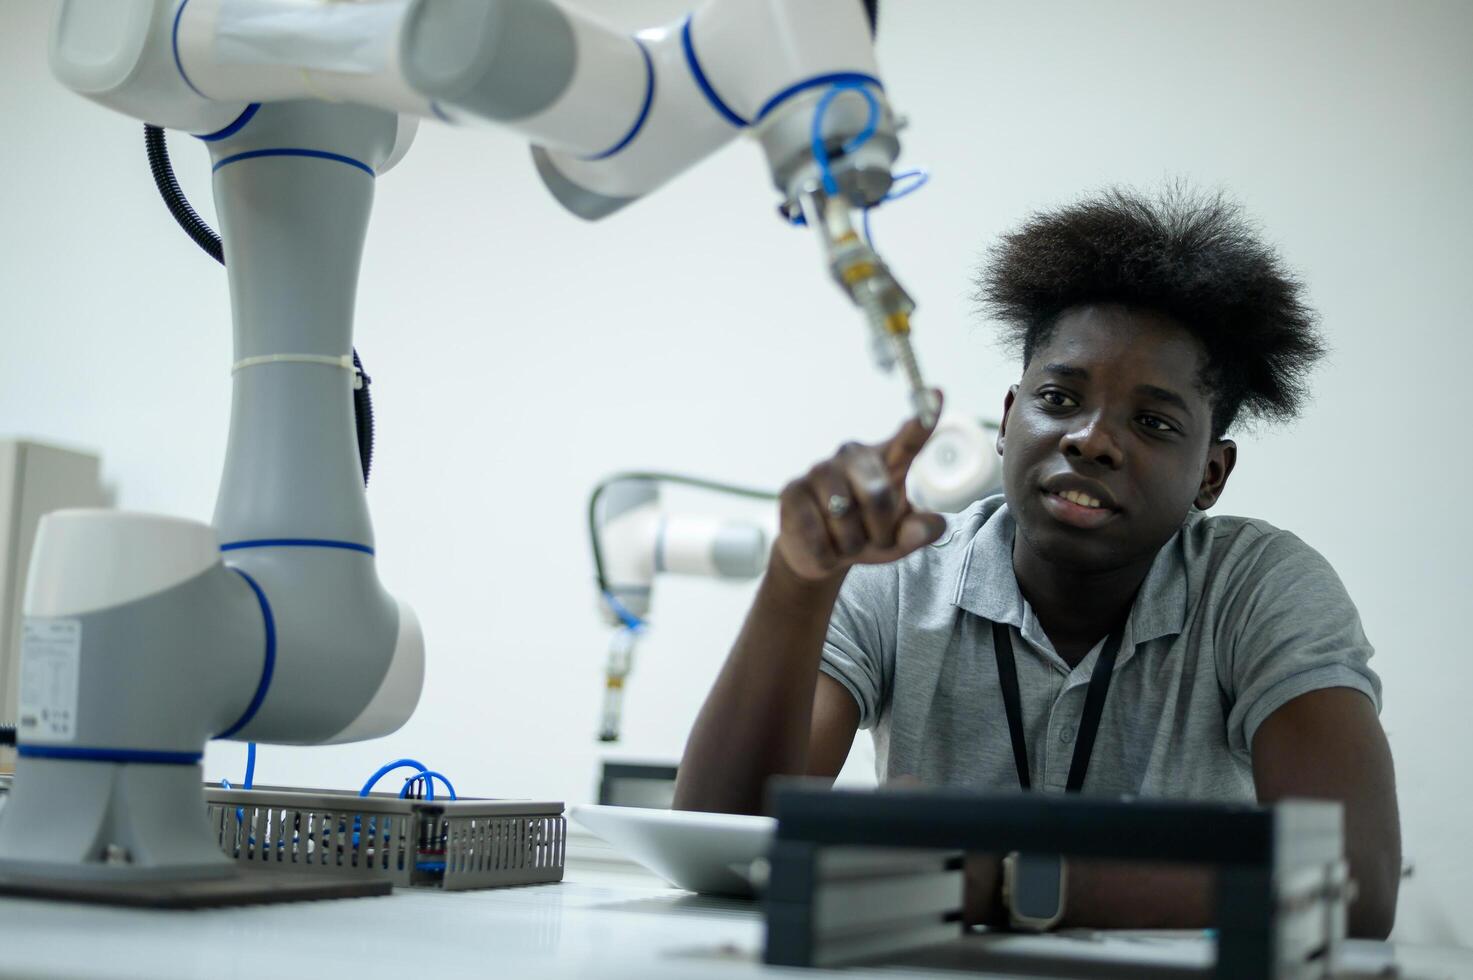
(1248, 845)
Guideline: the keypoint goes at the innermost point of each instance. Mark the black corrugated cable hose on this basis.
(163, 177)
(363, 417)
(204, 236)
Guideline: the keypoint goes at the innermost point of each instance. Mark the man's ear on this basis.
(1007, 406)
(1222, 456)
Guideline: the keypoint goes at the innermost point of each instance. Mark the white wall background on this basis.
(520, 355)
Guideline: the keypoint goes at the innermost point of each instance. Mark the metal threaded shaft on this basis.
(921, 397)
(884, 351)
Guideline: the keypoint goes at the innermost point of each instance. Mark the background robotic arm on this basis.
(634, 539)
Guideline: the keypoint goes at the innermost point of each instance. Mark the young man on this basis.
(1146, 328)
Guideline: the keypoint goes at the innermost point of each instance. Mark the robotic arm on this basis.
(145, 636)
(611, 117)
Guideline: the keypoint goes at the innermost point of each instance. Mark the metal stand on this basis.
(855, 875)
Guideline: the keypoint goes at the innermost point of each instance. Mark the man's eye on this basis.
(1057, 398)
(1157, 423)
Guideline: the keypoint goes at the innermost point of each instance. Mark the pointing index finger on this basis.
(903, 447)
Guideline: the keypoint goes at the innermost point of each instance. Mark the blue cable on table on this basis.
(250, 779)
(427, 777)
(250, 773)
(424, 775)
(384, 770)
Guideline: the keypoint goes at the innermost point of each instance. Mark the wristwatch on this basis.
(1033, 890)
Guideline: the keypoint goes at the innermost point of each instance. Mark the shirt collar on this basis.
(988, 588)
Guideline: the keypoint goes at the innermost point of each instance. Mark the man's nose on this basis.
(1093, 439)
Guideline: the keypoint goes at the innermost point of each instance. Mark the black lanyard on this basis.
(1089, 722)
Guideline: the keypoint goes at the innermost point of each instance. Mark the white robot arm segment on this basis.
(707, 86)
(612, 114)
(611, 117)
(638, 540)
(553, 75)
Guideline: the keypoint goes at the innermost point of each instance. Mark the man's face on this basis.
(1110, 413)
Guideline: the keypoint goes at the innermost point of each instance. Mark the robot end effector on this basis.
(818, 109)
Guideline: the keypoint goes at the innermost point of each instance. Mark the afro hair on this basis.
(1192, 257)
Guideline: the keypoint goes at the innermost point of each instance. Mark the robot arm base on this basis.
(109, 821)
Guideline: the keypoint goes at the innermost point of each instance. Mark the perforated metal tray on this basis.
(453, 845)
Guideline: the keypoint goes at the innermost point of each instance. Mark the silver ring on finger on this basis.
(839, 505)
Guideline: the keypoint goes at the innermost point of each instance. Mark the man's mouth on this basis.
(1077, 509)
(1082, 499)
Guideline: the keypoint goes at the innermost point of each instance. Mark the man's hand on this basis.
(852, 509)
(772, 712)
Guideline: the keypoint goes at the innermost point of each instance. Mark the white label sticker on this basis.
(50, 657)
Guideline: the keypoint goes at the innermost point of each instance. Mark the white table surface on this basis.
(605, 920)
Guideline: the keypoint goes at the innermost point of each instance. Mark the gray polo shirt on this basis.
(1234, 618)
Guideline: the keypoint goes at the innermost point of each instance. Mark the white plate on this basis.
(703, 852)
